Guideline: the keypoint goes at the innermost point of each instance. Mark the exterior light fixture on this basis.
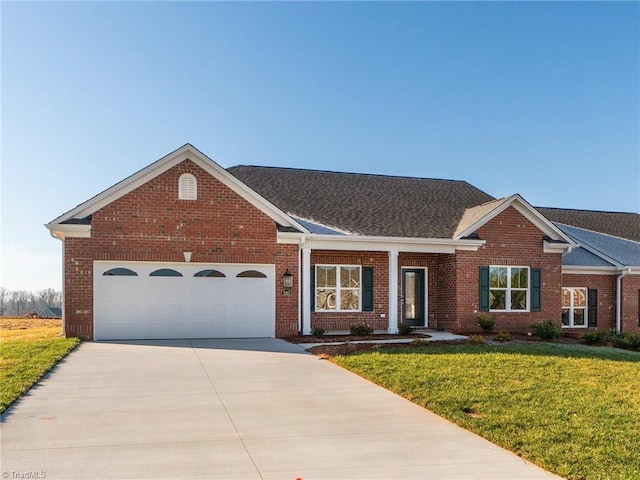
(287, 280)
(187, 256)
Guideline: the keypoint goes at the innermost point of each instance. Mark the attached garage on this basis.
(148, 300)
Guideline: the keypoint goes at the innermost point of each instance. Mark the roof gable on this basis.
(77, 215)
(477, 216)
(365, 204)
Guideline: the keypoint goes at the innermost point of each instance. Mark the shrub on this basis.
(502, 337)
(418, 342)
(548, 330)
(361, 329)
(596, 336)
(475, 339)
(485, 321)
(318, 332)
(404, 330)
(628, 341)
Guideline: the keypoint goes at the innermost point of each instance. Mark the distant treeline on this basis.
(17, 303)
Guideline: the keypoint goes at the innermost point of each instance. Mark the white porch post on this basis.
(306, 291)
(393, 291)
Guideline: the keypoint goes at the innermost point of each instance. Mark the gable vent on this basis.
(187, 187)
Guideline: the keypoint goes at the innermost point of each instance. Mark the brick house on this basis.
(185, 249)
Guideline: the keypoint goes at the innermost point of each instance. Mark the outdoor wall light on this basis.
(287, 280)
(187, 256)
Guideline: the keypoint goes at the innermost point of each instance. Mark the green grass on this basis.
(571, 409)
(26, 355)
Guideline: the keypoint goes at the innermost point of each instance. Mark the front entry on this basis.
(413, 297)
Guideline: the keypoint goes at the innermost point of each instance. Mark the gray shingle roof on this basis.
(618, 224)
(584, 258)
(365, 204)
(625, 252)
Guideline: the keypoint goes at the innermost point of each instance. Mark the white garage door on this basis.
(145, 300)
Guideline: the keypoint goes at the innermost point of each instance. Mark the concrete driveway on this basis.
(231, 409)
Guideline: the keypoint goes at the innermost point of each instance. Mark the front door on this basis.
(413, 311)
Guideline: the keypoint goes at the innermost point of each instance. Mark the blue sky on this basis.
(541, 99)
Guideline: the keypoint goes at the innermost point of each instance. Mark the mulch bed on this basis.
(325, 351)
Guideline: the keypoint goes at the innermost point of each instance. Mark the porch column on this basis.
(306, 291)
(393, 291)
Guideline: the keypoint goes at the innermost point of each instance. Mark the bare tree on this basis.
(19, 299)
(4, 300)
(47, 298)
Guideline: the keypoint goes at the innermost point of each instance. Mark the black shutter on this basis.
(367, 289)
(312, 284)
(536, 289)
(592, 304)
(639, 307)
(484, 289)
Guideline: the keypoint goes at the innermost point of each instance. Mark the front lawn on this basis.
(571, 409)
(29, 348)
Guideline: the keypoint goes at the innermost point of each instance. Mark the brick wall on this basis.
(629, 318)
(151, 224)
(511, 240)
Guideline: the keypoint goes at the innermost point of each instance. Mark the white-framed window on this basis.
(508, 289)
(187, 187)
(574, 307)
(338, 288)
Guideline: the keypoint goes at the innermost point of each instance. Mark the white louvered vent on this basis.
(187, 187)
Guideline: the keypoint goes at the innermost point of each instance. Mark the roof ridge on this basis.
(354, 173)
(586, 210)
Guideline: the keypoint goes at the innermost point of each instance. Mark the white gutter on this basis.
(619, 299)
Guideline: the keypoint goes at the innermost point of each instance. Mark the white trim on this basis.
(306, 291)
(338, 288)
(584, 270)
(393, 291)
(572, 308)
(186, 152)
(508, 289)
(379, 244)
(68, 231)
(529, 212)
(425, 292)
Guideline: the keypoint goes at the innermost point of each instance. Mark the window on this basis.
(120, 272)
(251, 274)
(165, 272)
(337, 288)
(210, 274)
(509, 289)
(574, 307)
(187, 187)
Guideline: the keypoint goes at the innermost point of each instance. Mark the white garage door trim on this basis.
(161, 307)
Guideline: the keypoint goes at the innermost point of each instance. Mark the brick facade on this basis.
(151, 224)
(630, 311)
(511, 240)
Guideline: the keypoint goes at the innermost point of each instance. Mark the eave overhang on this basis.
(378, 244)
(64, 231)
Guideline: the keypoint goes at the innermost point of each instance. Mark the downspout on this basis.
(619, 299)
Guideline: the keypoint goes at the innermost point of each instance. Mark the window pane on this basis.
(498, 277)
(519, 277)
(326, 276)
(579, 298)
(565, 316)
(566, 297)
(350, 277)
(519, 300)
(326, 299)
(497, 299)
(578, 317)
(349, 300)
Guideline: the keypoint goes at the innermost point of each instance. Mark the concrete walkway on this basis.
(231, 409)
